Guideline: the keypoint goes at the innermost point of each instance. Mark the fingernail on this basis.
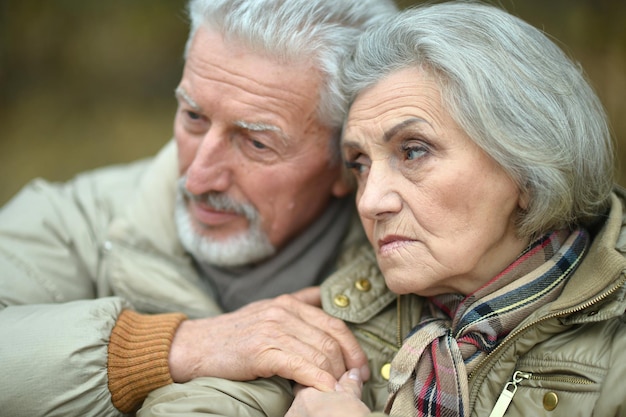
(355, 374)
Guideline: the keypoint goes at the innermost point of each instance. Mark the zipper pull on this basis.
(506, 396)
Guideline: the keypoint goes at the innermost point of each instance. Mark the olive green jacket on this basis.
(569, 357)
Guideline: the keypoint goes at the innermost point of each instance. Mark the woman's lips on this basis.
(390, 243)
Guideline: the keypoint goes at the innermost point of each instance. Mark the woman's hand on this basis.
(345, 401)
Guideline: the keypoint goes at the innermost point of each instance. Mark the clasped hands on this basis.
(289, 336)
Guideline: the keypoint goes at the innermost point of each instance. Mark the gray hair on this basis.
(514, 92)
(323, 31)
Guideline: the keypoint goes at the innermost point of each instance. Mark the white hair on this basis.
(514, 92)
(320, 31)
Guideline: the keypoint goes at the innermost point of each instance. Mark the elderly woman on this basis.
(484, 169)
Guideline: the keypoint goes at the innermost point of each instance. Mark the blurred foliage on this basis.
(84, 84)
(89, 83)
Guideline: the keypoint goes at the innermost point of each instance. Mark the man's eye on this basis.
(193, 115)
(257, 144)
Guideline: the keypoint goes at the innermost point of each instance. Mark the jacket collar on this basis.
(603, 266)
(357, 291)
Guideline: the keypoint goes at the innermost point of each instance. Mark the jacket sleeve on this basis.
(220, 397)
(54, 358)
(53, 331)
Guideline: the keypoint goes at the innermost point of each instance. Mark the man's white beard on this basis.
(246, 248)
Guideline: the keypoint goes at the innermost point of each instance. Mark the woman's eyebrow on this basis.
(390, 133)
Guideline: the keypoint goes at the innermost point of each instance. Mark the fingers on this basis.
(310, 295)
(353, 354)
(284, 336)
(345, 400)
(301, 334)
(337, 335)
(321, 347)
(351, 382)
(297, 361)
(310, 375)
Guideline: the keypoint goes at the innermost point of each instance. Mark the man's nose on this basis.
(211, 168)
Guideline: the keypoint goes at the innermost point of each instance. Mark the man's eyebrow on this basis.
(181, 93)
(262, 127)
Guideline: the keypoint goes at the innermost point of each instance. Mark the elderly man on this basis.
(129, 278)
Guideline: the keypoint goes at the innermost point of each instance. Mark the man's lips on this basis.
(209, 216)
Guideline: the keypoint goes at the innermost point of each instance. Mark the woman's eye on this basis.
(358, 164)
(414, 152)
(354, 166)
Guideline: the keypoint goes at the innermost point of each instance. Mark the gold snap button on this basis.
(550, 401)
(385, 371)
(363, 285)
(341, 300)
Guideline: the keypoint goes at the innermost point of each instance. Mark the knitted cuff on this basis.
(138, 356)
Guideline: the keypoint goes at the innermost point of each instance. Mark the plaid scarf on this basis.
(429, 375)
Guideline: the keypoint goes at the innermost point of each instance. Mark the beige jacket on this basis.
(570, 354)
(72, 257)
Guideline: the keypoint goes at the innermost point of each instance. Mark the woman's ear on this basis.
(523, 200)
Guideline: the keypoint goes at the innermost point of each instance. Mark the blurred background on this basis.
(89, 83)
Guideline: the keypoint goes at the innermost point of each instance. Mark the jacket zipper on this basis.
(561, 378)
(399, 321)
(506, 396)
(513, 335)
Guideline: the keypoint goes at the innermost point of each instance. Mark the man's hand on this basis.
(288, 336)
(345, 401)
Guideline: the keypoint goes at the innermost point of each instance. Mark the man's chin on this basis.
(234, 250)
(233, 253)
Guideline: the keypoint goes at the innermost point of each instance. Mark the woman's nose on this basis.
(378, 197)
